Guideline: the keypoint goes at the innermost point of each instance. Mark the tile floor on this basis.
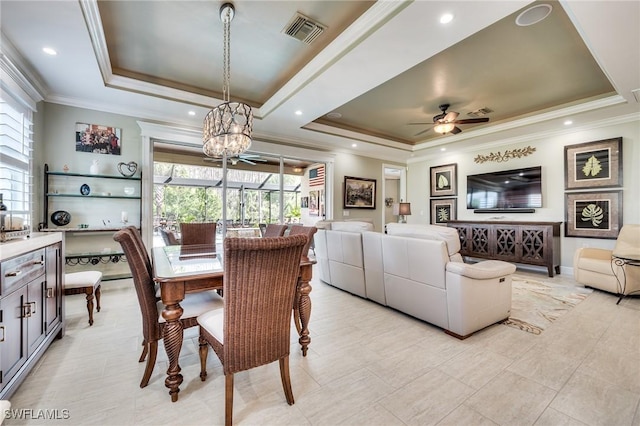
(367, 365)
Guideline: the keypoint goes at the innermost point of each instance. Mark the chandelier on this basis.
(227, 128)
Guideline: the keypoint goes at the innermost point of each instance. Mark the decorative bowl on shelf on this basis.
(60, 218)
(85, 189)
(129, 190)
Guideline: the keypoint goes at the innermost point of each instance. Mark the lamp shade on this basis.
(227, 129)
(443, 128)
(404, 209)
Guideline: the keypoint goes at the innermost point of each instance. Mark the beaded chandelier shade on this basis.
(227, 128)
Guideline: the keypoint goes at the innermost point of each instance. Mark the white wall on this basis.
(550, 155)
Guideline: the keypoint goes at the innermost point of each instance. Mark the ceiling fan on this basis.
(251, 159)
(445, 122)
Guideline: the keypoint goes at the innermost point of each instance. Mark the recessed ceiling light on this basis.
(192, 113)
(443, 149)
(533, 15)
(49, 51)
(446, 18)
(298, 112)
(354, 145)
(334, 115)
(568, 123)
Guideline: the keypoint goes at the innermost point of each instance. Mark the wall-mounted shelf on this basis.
(107, 204)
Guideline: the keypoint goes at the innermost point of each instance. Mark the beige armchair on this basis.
(598, 268)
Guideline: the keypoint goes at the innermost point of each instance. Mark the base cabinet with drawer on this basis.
(532, 243)
(31, 313)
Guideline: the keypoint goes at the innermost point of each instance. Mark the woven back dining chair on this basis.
(152, 322)
(260, 279)
(274, 230)
(169, 237)
(309, 231)
(198, 233)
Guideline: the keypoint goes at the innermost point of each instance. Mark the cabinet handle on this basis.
(26, 311)
(49, 292)
(3, 333)
(32, 310)
(38, 262)
(13, 273)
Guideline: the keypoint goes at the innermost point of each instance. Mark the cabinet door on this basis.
(507, 243)
(53, 293)
(35, 314)
(13, 348)
(480, 241)
(534, 244)
(464, 233)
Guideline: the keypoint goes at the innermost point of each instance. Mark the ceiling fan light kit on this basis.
(445, 122)
(228, 127)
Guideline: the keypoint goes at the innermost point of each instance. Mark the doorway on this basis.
(394, 190)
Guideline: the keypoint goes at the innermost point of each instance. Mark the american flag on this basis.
(316, 176)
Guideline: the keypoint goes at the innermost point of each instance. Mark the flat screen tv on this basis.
(508, 190)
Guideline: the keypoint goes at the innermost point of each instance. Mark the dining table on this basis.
(183, 269)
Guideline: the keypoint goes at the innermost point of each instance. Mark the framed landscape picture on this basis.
(359, 193)
(443, 210)
(593, 214)
(593, 164)
(444, 180)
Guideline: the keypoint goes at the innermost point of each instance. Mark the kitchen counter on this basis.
(37, 240)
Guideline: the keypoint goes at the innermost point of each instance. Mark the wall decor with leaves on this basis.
(594, 166)
(499, 157)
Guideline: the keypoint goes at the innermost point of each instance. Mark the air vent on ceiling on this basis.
(636, 94)
(480, 112)
(303, 28)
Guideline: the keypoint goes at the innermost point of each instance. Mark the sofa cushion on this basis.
(484, 270)
(353, 226)
(428, 232)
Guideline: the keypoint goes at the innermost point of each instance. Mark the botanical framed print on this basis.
(444, 180)
(593, 164)
(98, 139)
(593, 214)
(359, 193)
(443, 210)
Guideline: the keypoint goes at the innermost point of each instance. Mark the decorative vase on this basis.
(95, 167)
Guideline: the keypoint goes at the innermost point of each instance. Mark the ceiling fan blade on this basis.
(472, 120)
(424, 131)
(244, 160)
(451, 116)
(421, 124)
(455, 130)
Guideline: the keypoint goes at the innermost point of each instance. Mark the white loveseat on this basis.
(417, 270)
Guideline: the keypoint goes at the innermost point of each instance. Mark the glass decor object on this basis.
(227, 128)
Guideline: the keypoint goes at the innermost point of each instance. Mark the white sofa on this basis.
(417, 269)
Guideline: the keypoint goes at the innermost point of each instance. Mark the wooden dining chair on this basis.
(309, 231)
(198, 233)
(260, 279)
(274, 230)
(152, 321)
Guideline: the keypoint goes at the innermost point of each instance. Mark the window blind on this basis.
(16, 136)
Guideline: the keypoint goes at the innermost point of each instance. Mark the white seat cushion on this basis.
(484, 270)
(195, 304)
(213, 322)
(82, 279)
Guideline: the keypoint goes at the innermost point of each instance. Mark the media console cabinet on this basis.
(532, 243)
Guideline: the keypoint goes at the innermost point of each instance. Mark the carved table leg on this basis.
(173, 335)
(303, 308)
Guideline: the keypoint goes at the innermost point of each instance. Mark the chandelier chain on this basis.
(226, 73)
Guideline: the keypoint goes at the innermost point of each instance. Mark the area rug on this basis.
(536, 304)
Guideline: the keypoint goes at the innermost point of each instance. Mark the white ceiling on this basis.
(381, 65)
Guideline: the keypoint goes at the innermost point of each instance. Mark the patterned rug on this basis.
(535, 304)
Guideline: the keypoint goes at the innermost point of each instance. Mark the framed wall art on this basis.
(359, 193)
(98, 139)
(443, 210)
(593, 164)
(593, 214)
(304, 202)
(313, 203)
(444, 180)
